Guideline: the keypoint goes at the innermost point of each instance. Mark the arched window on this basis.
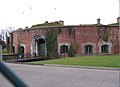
(88, 49)
(64, 49)
(104, 48)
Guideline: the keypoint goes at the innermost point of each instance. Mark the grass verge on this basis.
(99, 61)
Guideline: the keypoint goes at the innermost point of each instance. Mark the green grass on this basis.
(4, 51)
(99, 61)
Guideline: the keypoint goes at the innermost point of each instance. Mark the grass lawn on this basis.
(100, 61)
(4, 51)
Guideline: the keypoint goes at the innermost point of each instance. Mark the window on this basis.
(88, 49)
(64, 49)
(104, 49)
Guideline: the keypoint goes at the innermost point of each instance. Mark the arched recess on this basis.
(63, 49)
(38, 46)
(88, 49)
(104, 48)
(22, 51)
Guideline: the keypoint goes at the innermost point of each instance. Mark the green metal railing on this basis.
(11, 76)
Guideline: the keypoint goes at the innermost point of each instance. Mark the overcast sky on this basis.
(22, 13)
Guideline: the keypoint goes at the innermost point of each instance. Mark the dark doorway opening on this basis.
(13, 49)
(22, 51)
(40, 46)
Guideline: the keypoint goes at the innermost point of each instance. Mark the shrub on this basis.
(71, 51)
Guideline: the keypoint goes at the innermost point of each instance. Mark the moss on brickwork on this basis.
(105, 35)
(51, 43)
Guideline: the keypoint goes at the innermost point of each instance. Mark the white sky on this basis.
(22, 13)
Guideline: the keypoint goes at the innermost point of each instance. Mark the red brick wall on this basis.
(83, 34)
(115, 49)
(64, 36)
(15, 41)
(25, 37)
(86, 34)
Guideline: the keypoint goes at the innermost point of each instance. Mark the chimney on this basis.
(26, 27)
(118, 20)
(98, 21)
(61, 22)
(46, 22)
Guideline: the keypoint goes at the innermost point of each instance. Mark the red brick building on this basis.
(92, 39)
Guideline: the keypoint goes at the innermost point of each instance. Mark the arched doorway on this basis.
(88, 49)
(39, 46)
(22, 51)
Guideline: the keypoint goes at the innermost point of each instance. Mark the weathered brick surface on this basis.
(82, 35)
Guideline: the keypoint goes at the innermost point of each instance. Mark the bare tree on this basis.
(2, 42)
(5, 36)
(2, 34)
(9, 30)
(6, 32)
(0, 37)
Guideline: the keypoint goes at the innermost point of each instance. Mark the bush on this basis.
(71, 51)
(4, 51)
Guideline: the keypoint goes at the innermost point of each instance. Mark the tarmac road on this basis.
(49, 76)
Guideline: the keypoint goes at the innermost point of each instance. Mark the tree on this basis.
(2, 43)
(6, 32)
(4, 36)
(9, 30)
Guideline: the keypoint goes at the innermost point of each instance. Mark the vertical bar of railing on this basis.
(0, 52)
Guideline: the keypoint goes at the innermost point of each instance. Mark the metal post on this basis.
(0, 52)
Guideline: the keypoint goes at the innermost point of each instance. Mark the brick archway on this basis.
(90, 45)
(105, 48)
(38, 46)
